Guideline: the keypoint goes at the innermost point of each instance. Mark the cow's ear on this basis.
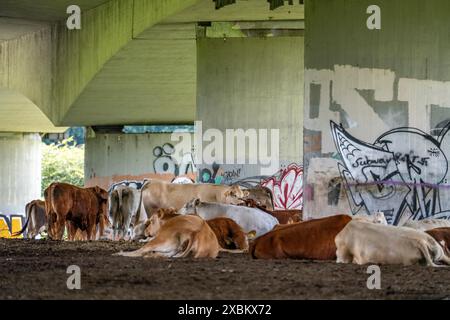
(251, 234)
(246, 193)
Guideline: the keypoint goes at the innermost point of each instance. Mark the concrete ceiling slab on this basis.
(19, 114)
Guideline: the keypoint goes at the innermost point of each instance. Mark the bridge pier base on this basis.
(20, 171)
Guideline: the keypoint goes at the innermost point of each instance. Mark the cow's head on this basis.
(377, 217)
(235, 194)
(190, 207)
(152, 225)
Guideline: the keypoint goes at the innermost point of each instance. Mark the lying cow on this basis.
(230, 235)
(427, 224)
(81, 208)
(362, 243)
(125, 210)
(163, 214)
(283, 216)
(441, 235)
(36, 219)
(248, 218)
(160, 194)
(262, 196)
(178, 238)
(313, 239)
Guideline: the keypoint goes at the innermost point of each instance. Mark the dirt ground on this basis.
(36, 269)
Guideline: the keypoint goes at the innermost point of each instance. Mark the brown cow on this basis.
(229, 234)
(81, 208)
(441, 235)
(179, 237)
(283, 216)
(313, 239)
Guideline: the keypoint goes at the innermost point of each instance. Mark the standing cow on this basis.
(125, 210)
(161, 194)
(81, 208)
(36, 219)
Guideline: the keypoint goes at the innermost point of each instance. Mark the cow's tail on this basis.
(17, 233)
(187, 244)
(141, 204)
(252, 249)
(28, 216)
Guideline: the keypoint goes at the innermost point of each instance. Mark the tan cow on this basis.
(179, 237)
(161, 194)
(362, 242)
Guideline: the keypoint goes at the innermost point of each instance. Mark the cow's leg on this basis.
(343, 255)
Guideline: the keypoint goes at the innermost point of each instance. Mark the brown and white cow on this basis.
(283, 216)
(178, 237)
(161, 194)
(361, 242)
(313, 239)
(80, 208)
(441, 235)
(36, 219)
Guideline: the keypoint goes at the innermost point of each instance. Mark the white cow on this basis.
(248, 218)
(362, 243)
(427, 224)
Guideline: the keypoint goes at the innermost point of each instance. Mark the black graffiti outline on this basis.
(423, 193)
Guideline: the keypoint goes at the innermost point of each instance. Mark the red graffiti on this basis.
(287, 187)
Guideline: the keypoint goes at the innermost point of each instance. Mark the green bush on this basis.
(62, 163)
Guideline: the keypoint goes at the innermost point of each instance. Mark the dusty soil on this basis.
(36, 269)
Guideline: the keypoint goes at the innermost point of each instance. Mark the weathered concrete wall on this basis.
(20, 171)
(390, 90)
(252, 83)
(111, 158)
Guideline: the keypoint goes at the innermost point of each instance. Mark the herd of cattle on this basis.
(177, 220)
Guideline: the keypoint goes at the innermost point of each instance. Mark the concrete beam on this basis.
(51, 65)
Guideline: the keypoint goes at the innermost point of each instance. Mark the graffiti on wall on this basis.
(286, 185)
(165, 163)
(11, 224)
(403, 173)
(357, 96)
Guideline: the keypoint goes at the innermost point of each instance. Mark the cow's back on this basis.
(161, 194)
(226, 231)
(250, 219)
(312, 239)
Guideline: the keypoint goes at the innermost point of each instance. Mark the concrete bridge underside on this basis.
(133, 61)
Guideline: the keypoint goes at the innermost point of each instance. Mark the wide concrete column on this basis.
(254, 83)
(20, 171)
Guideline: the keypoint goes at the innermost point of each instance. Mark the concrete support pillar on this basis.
(20, 171)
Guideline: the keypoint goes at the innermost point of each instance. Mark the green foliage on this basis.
(62, 163)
